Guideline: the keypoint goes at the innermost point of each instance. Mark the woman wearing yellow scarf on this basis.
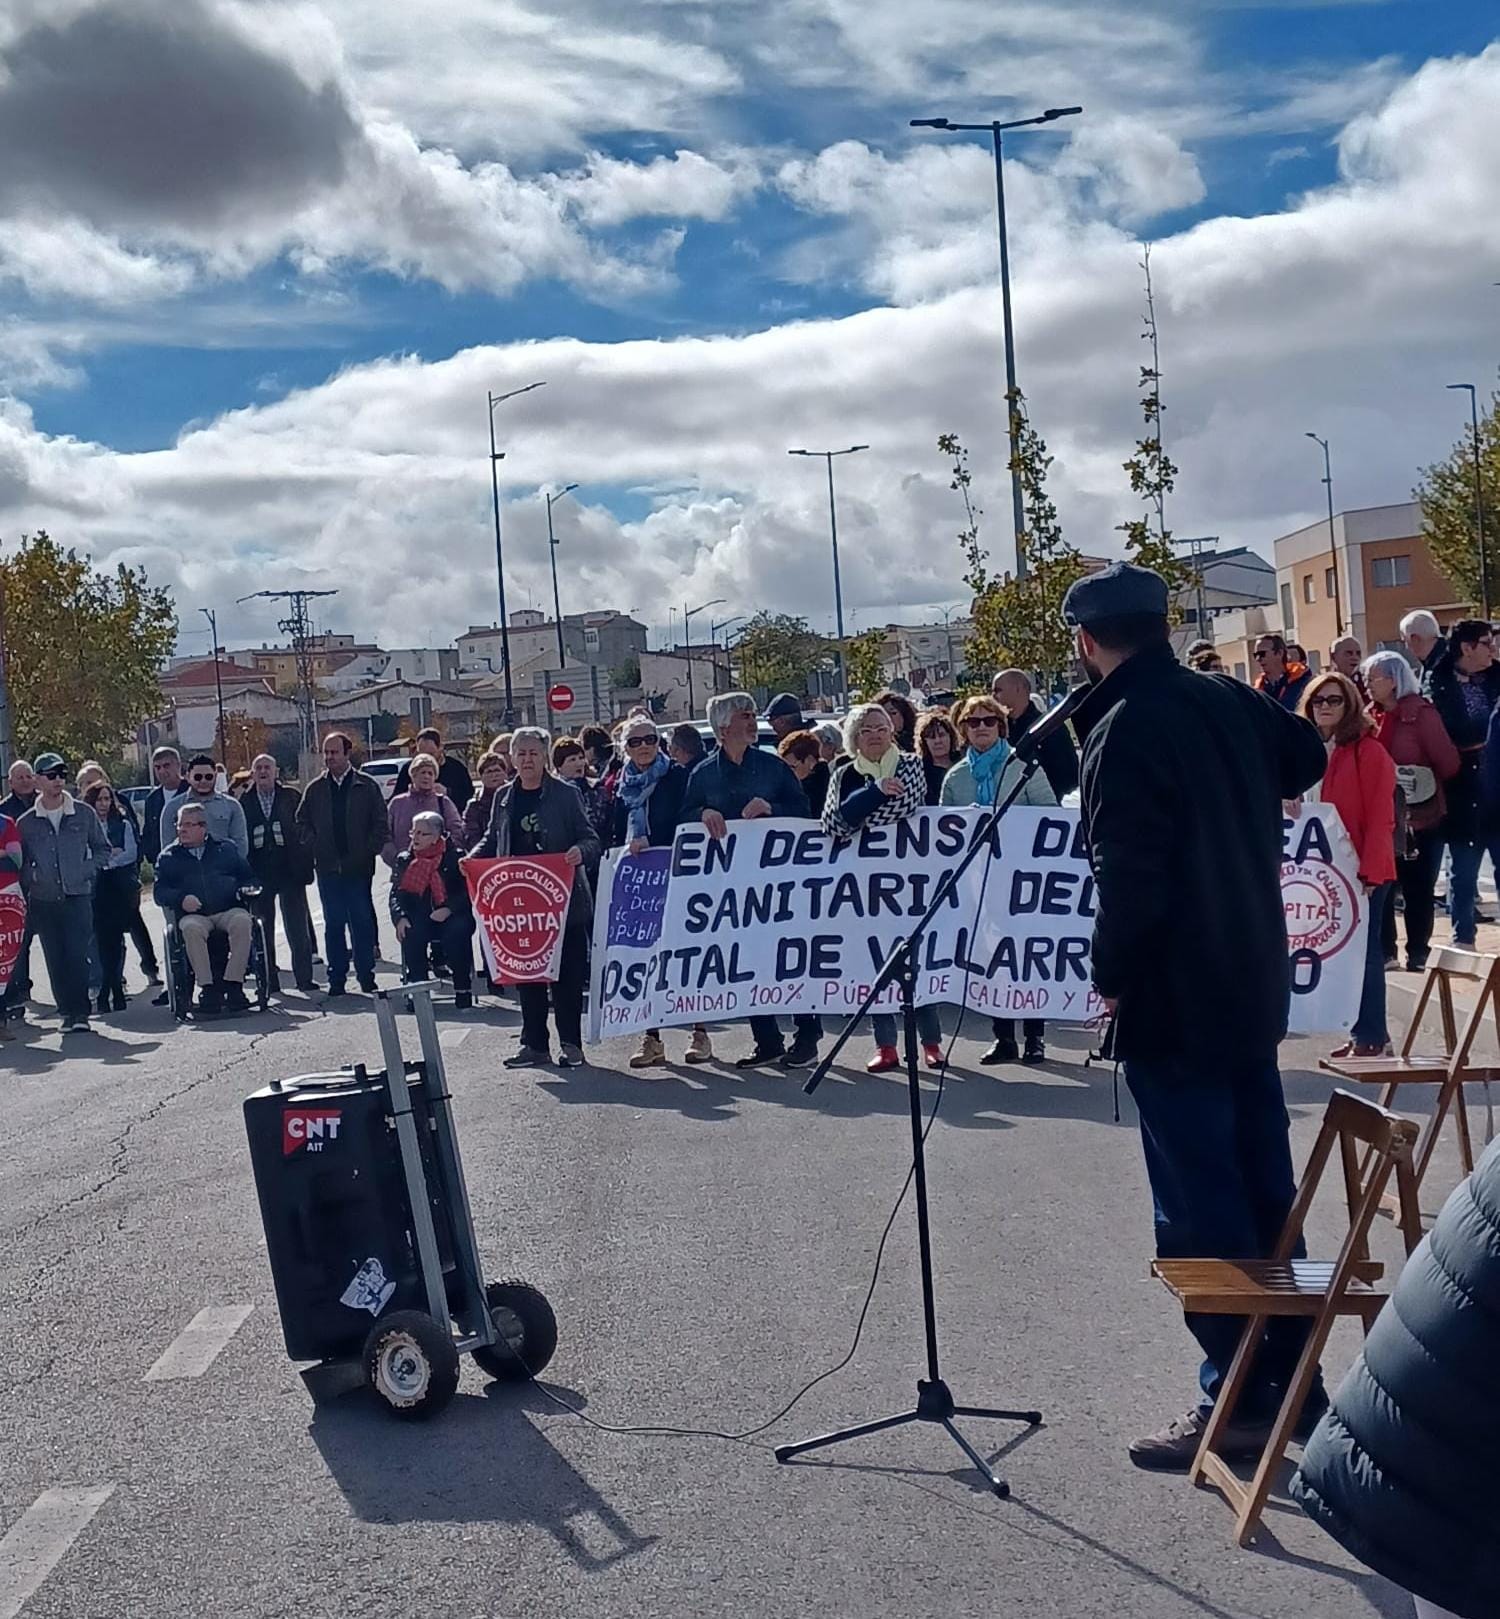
(879, 784)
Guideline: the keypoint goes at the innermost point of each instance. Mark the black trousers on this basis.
(145, 945)
(1417, 879)
(65, 927)
(566, 996)
(453, 937)
(117, 912)
(1004, 1028)
(294, 915)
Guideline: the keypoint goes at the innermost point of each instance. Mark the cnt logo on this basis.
(307, 1128)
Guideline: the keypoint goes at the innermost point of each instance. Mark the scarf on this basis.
(635, 787)
(986, 768)
(881, 769)
(423, 876)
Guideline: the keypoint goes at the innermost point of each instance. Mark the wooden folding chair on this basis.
(1282, 1286)
(1452, 1068)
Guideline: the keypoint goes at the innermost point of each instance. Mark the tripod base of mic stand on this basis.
(934, 1404)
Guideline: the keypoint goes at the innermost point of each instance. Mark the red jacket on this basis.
(1360, 783)
(1413, 733)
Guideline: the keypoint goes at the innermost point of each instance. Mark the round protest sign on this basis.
(1322, 910)
(522, 905)
(12, 930)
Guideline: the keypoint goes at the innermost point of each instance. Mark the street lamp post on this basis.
(995, 130)
(687, 637)
(1333, 547)
(838, 588)
(213, 630)
(562, 656)
(496, 457)
(1484, 560)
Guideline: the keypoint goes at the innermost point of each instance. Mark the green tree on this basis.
(1446, 495)
(1017, 621)
(85, 649)
(1153, 473)
(627, 675)
(866, 671)
(779, 652)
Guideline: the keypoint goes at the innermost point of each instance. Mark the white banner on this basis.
(776, 918)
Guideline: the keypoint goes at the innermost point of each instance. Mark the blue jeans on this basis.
(1370, 1026)
(347, 908)
(1220, 1166)
(1463, 888)
(886, 1027)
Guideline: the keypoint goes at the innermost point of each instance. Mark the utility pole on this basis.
(687, 614)
(298, 626)
(1484, 561)
(1333, 539)
(838, 587)
(562, 656)
(1195, 546)
(213, 630)
(7, 736)
(496, 457)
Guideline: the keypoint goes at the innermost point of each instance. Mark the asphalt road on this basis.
(706, 1240)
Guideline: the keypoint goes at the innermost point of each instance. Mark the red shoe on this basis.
(883, 1061)
(935, 1058)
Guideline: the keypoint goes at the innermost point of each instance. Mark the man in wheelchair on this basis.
(198, 879)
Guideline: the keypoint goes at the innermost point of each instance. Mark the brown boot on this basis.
(1172, 1449)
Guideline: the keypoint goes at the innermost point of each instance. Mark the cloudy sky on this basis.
(261, 262)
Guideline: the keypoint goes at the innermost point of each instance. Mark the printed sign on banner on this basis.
(775, 917)
(12, 931)
(1325, 920)
(627, 929)
(521, 906)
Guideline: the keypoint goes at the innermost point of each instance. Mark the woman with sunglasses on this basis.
(985, 775)
(647, 803)
(1360, 783)
(117, 894)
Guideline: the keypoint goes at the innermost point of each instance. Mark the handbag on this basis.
(1418, 784)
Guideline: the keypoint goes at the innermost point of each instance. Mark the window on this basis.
(1386, 573)
(1288, 618)
(591, 638)
(1330, 583)
(1309, 590)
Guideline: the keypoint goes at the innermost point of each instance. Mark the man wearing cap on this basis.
(63, 849)
(1182, 781)
(785, 715)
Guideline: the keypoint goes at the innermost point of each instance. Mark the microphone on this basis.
(1051, 722)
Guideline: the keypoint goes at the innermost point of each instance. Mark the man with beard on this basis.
(1182, 782)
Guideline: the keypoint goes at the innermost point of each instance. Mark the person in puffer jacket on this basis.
(1402, 1470)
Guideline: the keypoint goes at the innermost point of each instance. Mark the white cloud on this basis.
(686, 185)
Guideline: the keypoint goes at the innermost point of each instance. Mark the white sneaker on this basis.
(700, 1048)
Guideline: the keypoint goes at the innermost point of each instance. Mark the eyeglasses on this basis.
(983, 719)
(1265, 652)
(1328, 699)
(200, 775)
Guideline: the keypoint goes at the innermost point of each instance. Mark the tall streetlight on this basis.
(1484, 561)
(496, 457)
(1333, 547)
(567, 489)
(725, 624)
(687, 637)
(213, 630)
(1012, 394)
(838, 588)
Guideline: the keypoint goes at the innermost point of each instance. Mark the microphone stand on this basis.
(935, 1401)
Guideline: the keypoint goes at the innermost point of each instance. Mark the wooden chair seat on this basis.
(1262, 1287)
(1320, 1290)
(1388, 1070)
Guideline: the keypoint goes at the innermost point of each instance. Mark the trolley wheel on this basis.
(411, 1363)
(527, 1331)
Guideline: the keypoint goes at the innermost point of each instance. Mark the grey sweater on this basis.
(226, 819)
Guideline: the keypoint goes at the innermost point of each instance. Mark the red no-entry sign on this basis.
(560, 699)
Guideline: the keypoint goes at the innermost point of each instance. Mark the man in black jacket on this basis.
(281, 859)
(166, 767)
(453, 773)
(1011, 688)
(1183, 780)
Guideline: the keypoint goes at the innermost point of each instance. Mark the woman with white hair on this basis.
(1411, 730)
(830, 741)
(430, 905)
(877, 785)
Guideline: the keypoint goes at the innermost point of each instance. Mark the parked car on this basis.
(385, 772)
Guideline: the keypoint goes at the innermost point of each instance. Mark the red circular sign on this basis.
(560, 699)
(12, 929)
(522, 906)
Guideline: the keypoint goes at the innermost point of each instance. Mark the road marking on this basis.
(39, 1538)
(198, 1345)
(451, 1038)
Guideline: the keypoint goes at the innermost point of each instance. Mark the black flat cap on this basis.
(784, 706)
(1114, 592)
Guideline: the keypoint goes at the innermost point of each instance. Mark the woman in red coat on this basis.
(1360, 783)
(1411, 730)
